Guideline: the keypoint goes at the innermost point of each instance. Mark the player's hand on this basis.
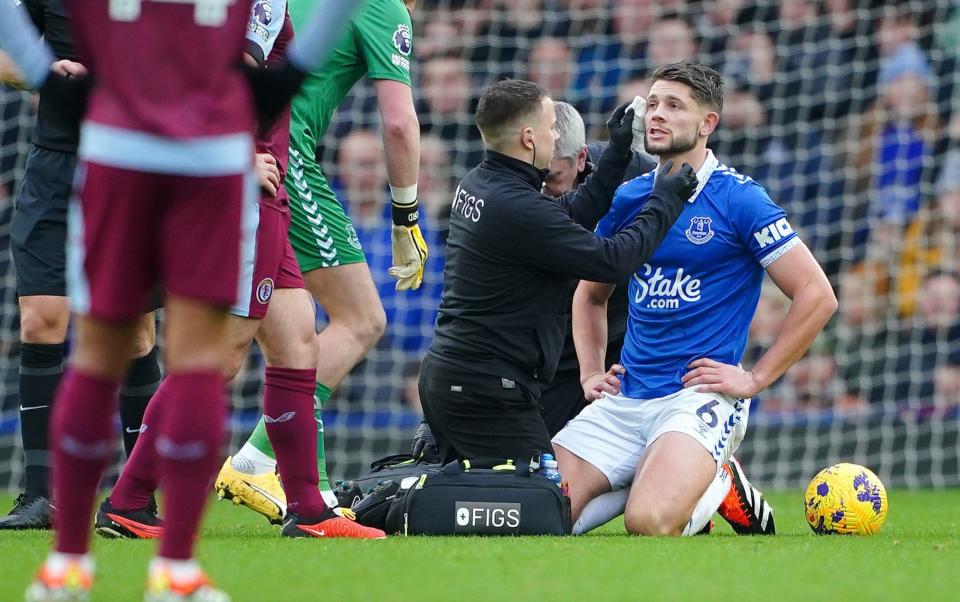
(714, 377)
(595, 385)
(639, 106)
(68, 68)
(268, 175)
(620, 128)
(424, 447)
(680, 185)
(409, 256)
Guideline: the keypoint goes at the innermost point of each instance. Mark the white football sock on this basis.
(57, 562)
(601, 510)
(180, 570)
(708, 504)
(329, 498)
(250, 460)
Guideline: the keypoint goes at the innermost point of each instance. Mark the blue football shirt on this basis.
(697, 296)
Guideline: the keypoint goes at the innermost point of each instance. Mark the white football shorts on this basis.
(614, 431)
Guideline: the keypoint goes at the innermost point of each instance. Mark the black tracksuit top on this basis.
(511, 253)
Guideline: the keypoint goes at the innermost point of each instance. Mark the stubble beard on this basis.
(676, 146)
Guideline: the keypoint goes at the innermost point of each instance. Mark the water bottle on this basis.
(549, 469)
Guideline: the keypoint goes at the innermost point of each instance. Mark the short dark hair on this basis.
(706, 84)
(504, 103)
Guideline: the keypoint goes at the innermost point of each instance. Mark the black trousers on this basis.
(562, 400)
(480, 416)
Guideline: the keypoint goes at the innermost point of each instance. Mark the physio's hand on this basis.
(620, 128)
(268, 176)
(711, 376)
(409, 256)
(639, 106)
(595, 385)
(424, 447)
(681, 184)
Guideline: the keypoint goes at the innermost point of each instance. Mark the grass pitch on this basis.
(915, 557)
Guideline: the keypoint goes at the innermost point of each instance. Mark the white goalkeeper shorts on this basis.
(614, 431)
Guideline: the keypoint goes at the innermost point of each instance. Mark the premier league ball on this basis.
(845, 499)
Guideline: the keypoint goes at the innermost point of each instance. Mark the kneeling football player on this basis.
(665, 421)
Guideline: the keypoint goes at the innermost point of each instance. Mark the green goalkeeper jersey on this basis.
(378, 43)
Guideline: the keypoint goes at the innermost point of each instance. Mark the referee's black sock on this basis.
(135, 393)
(41, 367)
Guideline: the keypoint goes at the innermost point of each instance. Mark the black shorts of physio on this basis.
(38, 229)
(479, 416)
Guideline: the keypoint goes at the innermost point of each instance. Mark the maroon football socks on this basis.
(189, 437)
(292, 428)
(83, 441)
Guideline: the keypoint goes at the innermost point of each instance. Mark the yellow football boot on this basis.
(261, 493)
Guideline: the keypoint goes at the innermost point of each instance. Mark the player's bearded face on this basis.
(673, 142)
(672, 121)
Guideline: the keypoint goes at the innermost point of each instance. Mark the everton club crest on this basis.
(699, 231)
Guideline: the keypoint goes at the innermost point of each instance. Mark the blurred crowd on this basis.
(846, 111)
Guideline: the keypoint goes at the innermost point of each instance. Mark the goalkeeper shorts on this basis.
(321, 233)
(613, 432)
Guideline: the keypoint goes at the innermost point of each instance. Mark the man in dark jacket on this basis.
(511, 253)
(573, 161)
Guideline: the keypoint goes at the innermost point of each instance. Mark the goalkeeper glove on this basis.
(409, 249)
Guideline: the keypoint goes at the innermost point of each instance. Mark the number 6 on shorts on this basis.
(706, 413)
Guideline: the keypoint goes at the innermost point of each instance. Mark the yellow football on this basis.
(845, 499)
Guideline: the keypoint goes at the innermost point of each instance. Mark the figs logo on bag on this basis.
(487, 517)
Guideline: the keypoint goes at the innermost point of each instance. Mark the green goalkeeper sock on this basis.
(320, 396)
(259, 440)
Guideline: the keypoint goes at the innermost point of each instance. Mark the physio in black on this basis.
(511, 253)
